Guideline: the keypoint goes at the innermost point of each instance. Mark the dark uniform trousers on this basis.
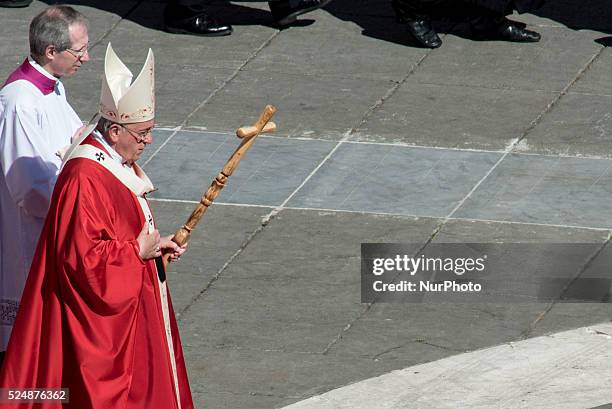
(204, 3)
(416, 9)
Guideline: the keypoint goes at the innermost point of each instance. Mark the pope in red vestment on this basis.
(92, 320)
(96, 316)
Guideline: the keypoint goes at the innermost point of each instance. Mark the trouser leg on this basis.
(188, 3)
(180, 9)
(414, 9)
(506, 7)
(192, 17)
(499, 7)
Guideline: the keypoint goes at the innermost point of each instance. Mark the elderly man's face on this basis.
(67, 62)
(132, 139)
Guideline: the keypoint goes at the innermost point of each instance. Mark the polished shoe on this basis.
(200, 24)
(285, 14)
(15, 3)
(423, 32)
(504, 30)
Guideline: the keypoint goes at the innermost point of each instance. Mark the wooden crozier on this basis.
(248, 135)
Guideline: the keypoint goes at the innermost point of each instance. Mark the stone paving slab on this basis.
(281, 377)
(272, 169)
(160, 135)
(15, 51)
(217, 399)
(348, 55)
(220, 234)
(233, 325)
(454, 116)
(327, 111)
(597, 79)
(565, 316)
(579, 125)
(460, 231)
(181, 85)
(545, 189)
(563, 370)
(393, 179)
(322, 245)
(299, 299)
(503, 65)
(394, 331)
(292, 315)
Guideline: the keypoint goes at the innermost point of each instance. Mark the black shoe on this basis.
(15, 3)
(504, 30)
(285, 14)
(200, 24)
(424, 33)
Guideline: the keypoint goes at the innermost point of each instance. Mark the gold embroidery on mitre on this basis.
(122, 100)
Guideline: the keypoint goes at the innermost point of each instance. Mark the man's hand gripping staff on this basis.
(248, 135)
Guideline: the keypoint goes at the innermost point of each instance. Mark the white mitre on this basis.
(121, 100)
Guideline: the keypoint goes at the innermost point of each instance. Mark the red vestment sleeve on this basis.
(101, 264)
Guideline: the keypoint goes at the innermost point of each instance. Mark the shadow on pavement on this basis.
(149, 14)
(375, 17)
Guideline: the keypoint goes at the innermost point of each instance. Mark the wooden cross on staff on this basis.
(248, 135)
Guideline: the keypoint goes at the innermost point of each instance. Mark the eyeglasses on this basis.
(78, 53)
(141, 136)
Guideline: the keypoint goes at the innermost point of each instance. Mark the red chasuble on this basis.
(91, 317)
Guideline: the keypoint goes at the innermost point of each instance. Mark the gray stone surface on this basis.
(271, 300)
(344, 57)
(16, 50)
(159, 137)
(272, 169)
(579, 125)
(565, 370)
(545, 189)
(393, 179)
(326, 111)
(220, 234)
(501, 65)
(274, 378)
(395, 331)
(597, 79)
(450, 116)
(569, 315)
(275, 314)
(460, 231)
(216, 399)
